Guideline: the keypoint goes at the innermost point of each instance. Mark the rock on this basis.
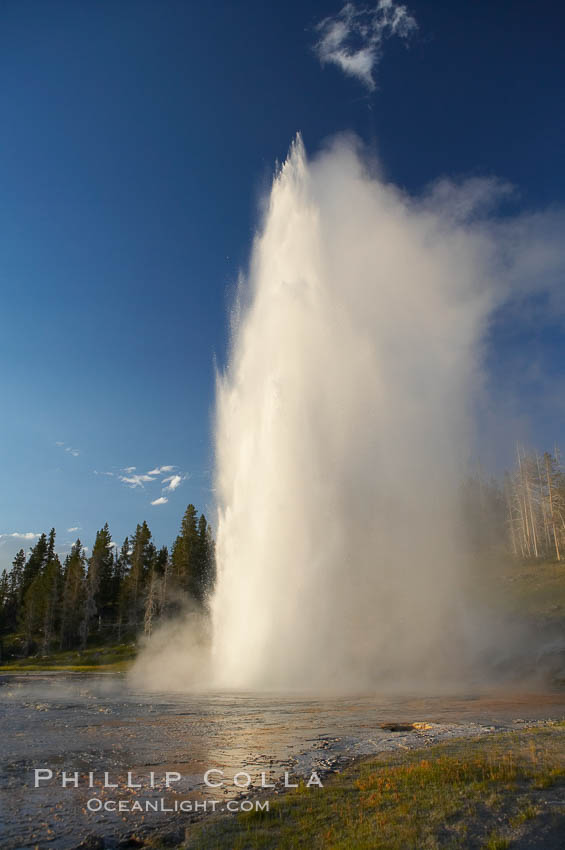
(130, 841)
(172, 838)
(91, 842)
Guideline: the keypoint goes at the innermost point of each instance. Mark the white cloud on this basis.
(353, 39)
(172, 482)
(160, 469)
(21, 535)
(136, 480)
(74, 528)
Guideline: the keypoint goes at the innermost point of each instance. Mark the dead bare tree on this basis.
(535, 505)
(152, 600)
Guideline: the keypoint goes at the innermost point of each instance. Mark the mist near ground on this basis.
(176, 656)
(345, 422)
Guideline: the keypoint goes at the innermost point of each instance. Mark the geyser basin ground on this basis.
(95, 723)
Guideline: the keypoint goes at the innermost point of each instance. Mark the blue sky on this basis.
(138, 140)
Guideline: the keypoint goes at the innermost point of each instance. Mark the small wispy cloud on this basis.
(353, 39)
(172, 482)
(21, 535)
(134, 481)
(18, 535)
(72, 451)
(160, 469)
(73, 528)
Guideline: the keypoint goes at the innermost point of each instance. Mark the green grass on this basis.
(112, 658)
(534, 590)
(470, 794)
(497, 843)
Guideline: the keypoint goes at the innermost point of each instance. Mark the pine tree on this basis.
(35, 563)
(17, 575)
(211, 570)
(4, 588)
(204, 563)
(51, 546)
(13, 603)
(152, 601)
(141, 554)
(74, 595)
(4, 601)
(32, 612)
(99, 577)
(51, 591)
(178, 561)
(185, 553)
(163, 565)
(121, 570)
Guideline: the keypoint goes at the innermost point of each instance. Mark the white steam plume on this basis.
(344, 424)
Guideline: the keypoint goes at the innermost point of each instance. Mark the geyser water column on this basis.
(342, 433)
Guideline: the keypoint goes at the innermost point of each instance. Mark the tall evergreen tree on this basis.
(204, 566)
(51, 546)
(121, 569)
(50, 597)
(12, 605)
(35, 563)
(141, 554)
(99, 577)
(32, 612)
(74, 597)
(4, 602)
(184, 556)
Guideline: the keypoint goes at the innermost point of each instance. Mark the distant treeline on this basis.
(117, 593)
(110, 596)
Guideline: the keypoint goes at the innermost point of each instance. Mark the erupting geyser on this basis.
(342, 433)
